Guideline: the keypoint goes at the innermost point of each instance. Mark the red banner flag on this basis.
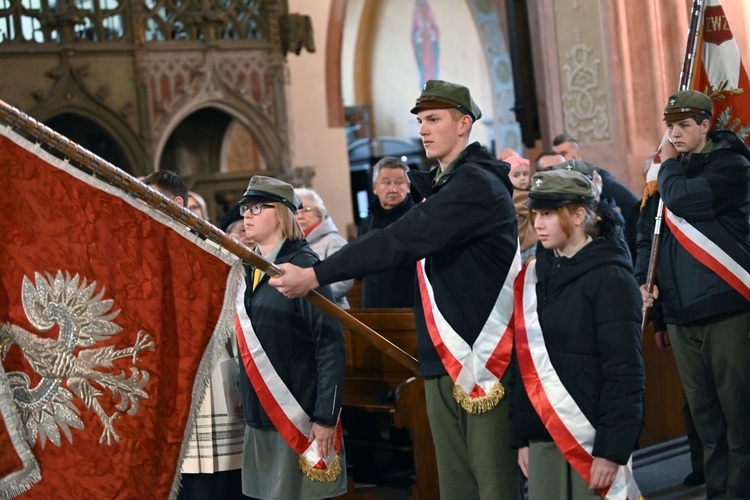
(111, 316)
(719, 73)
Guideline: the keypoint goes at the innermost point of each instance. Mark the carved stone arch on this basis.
(271, 144)
(116, 131)
(70, 93)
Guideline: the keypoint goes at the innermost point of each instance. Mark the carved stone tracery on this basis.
(175, 79)
(584, 95)
(206, 20)
(182, 55)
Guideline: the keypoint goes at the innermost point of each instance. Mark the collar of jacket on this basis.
(377, 209)
(290, 248)
(423, 181)
(326, 226)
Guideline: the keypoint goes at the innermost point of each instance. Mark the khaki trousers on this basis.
(551, 476)
(714, 364)
(474, 458)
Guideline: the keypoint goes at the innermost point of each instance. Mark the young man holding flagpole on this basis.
(704, 283)
(702, 276)
(464, 241)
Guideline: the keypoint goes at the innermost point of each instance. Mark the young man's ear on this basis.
(179, 201)
(466, 122)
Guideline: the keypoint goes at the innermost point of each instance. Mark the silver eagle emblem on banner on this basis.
(47, 408)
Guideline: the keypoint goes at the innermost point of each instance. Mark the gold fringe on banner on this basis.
(328, 475)
(482, 404)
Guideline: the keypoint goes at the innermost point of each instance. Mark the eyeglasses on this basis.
(254, 209)
(306, 210)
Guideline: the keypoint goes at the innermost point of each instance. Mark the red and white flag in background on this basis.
(110, 318)
(718, 72)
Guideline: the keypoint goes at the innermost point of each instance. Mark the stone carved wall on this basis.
(247, 84)
(141, 67)
(583, 75)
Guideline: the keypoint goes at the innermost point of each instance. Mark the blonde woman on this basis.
(292, 366)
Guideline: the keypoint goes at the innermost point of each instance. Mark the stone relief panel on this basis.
(585, 97)
(177, 79)
(95, 84)
(171, 78)
(251, 77)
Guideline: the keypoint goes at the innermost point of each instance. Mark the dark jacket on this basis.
(305, 345)
(466, 229)
(711, 192)
(589, 310)
(619, 195)
(393, 287)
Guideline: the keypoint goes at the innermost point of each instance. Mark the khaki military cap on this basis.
(557, 188)
(262, 188)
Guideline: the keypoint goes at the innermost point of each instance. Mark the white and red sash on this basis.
(570, 429)
(476, 369)
(710, 254)
(283, 409)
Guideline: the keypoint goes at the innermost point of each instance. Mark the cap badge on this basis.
(672, 101)
(538, 182)
(569, 167)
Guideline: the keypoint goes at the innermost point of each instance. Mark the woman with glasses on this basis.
(323, 236)
(292, 366)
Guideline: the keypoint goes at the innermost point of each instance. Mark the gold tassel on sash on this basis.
(328, 475)
(482, 404)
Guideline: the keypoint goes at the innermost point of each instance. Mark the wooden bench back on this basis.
(369, 371)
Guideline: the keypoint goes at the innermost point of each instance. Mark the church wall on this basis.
(350, 56)
(604, 71)
(395, 82)
(313, 142)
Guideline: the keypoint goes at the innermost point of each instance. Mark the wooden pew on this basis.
(355, 295)
(369, 377)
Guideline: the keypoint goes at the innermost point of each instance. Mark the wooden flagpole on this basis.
(686, 78)
(15, 118)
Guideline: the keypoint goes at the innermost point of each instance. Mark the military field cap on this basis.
(556, 188)
(438, 94)
(687, 103)
(586, 169)
(262, 188)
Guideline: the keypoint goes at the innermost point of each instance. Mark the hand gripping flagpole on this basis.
(86, 159)
(686, 78)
